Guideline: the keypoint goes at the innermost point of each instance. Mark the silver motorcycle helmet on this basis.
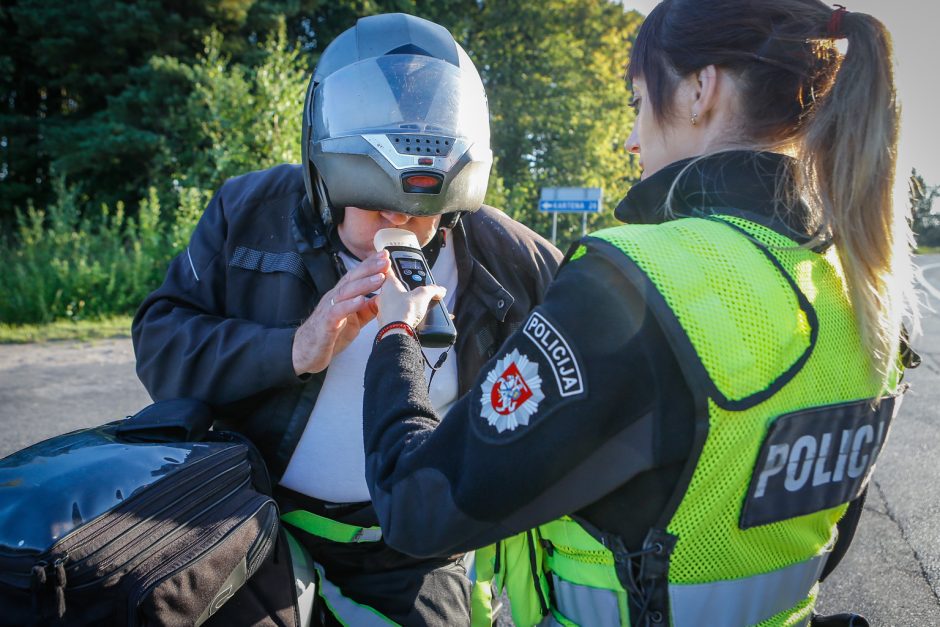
(395, 118)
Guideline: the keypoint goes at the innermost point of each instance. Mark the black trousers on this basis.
(408, 590)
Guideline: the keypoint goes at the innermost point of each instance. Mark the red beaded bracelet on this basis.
(407, 328)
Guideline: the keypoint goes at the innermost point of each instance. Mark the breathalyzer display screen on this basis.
(410, 264)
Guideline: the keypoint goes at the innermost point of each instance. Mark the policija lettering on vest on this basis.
(809, 456)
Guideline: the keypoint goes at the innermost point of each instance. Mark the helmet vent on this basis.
(410, 144)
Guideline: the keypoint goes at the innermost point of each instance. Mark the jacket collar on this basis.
(738, 182)
(476, 278)
(320, 260)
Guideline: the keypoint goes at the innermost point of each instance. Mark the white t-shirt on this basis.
(329, 461)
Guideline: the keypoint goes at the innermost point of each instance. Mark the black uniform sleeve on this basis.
(560, 417)
(184, 343)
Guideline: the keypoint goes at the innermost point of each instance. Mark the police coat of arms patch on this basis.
(512, 392)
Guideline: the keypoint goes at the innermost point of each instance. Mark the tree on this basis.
(236, 118)
(117, 96)
(65, 61)
(79, 95)
(925, 221)
(554, 74)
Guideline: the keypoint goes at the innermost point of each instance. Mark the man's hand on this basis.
(339, 316)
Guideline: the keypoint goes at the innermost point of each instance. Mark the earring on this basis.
(694, 119)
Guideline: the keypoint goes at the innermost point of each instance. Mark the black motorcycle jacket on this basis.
(221, 327)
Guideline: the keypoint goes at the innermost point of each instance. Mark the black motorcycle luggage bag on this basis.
(96, 530)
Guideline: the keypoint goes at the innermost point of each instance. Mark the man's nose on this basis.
(396, 218)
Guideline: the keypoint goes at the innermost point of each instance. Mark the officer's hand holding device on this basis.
(436, 329)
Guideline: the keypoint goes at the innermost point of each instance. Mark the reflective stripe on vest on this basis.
(333, 530)
(347, 611)
(551, 621)
(585, 605)
(729, 603)
(747, 601)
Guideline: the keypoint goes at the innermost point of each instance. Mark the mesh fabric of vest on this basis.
(744, 321)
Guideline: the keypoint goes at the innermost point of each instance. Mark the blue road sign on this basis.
(586, 206)
(571, 199)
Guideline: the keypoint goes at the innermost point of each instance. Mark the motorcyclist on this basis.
(267, 315)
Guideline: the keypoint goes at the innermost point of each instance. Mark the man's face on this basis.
(359, 226)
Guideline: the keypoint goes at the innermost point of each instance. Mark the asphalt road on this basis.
(892, 571)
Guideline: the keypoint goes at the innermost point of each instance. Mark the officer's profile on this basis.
(684, 430)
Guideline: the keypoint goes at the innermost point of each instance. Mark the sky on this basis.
(913, 26)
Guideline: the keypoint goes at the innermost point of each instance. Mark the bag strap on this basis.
(171, 420)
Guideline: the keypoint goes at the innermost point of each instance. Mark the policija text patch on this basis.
(558, 353)
(816, 459)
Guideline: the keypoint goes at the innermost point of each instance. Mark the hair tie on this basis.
(834, 28)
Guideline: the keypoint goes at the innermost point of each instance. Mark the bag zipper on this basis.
(156, 578)
(237, 438)
(192, 484)
(259, 551)
(137, 554)
(55, 552)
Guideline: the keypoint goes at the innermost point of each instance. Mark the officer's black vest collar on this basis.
(740, 182)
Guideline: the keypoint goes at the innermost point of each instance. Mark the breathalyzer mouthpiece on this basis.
(395, 237)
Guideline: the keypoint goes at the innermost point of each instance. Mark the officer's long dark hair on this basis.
(837, 114)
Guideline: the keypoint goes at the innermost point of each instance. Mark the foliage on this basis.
(925, 221)
(56, 96)
(236, 119)
(148, 104)
(61, 265)
(76, 330)
(554, 75)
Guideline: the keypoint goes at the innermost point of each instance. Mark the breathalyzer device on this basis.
(436, 330)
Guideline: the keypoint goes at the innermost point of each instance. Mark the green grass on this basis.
(82, 330)
(928, 250)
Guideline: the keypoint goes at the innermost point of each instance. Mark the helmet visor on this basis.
(401, 92)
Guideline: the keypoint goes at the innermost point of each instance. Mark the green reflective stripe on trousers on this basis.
(331, 529)
(347, 611)
(747, 601)
(587, 606)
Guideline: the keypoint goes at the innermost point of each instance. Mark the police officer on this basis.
(267, 315)
(675, 433)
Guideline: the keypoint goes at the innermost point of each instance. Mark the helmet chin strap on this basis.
(331, 216)
(433, 248)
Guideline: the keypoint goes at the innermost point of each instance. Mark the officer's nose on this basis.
(396, 218)
(632, 144)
